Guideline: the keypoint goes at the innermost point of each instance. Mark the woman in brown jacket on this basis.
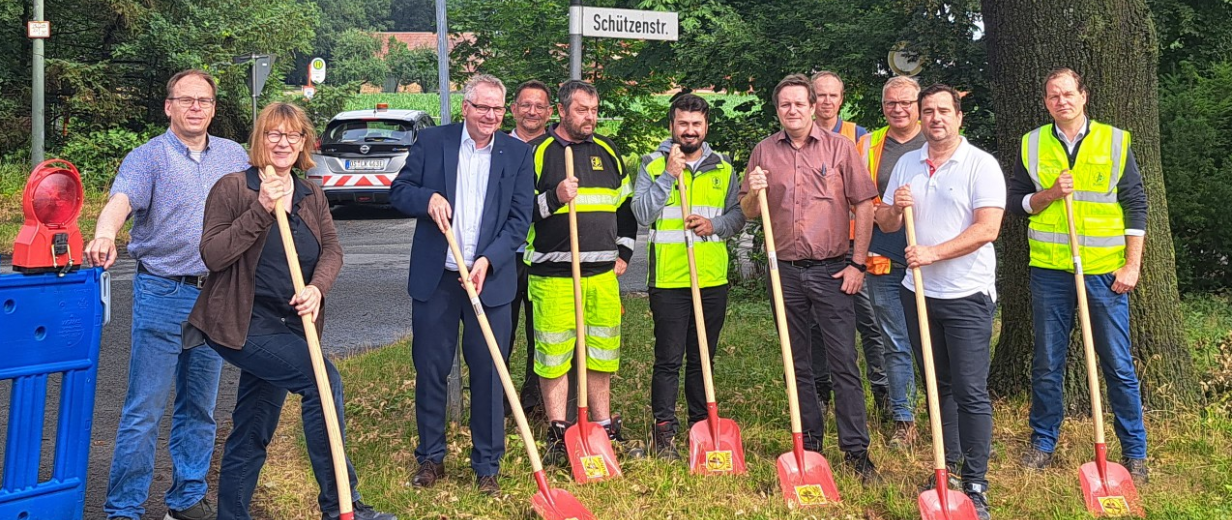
(250, 314)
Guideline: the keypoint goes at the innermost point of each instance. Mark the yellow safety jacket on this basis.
(1098, 217)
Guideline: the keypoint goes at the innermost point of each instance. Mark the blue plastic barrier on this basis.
(49, 325)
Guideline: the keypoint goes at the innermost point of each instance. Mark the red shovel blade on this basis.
(1114, 496)
(590, 453)
(812, 485)
(956, 506)
(558, 504)
(722, 456)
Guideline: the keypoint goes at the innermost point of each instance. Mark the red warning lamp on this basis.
(50, 239)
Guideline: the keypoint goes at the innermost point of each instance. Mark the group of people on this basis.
(210, 273)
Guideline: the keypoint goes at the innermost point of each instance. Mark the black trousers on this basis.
(961, 331)
(675, 330)
(812, 295)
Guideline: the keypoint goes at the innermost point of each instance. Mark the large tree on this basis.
(1113, 44)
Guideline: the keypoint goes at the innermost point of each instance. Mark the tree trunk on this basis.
(1112, 44)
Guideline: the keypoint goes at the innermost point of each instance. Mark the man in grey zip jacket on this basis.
(711, 186)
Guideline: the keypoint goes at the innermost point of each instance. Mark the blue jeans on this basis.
(270, 366)
(888, 311)
(157, 362)
(1053, 302)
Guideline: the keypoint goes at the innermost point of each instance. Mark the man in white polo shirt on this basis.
(958, 195)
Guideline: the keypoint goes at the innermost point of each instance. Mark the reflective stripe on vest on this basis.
(1098, 217)
(588, 200)
(669, 264)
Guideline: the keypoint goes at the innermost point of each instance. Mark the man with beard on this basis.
(602, 191)
(531, 110)
(715, 216)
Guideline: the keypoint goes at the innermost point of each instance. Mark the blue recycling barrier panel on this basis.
(49, 325)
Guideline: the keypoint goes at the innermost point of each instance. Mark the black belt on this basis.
(195, 281)
(807, 263)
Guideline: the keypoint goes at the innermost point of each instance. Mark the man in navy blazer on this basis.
(480, 182)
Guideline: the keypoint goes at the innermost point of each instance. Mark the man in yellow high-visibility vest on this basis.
(712, 186)
(1092, 162)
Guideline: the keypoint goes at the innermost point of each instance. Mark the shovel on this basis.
(551, 504)
(941, 503)
(715, 447)
(332, 431)
(804, 476)
(1107, 486)
(589, 448)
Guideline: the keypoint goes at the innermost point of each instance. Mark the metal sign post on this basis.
(453, 406)
(628, 24)
(262, 65)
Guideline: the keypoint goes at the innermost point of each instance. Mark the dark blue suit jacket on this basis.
(431, 168)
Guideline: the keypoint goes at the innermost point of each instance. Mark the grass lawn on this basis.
(1191, 458)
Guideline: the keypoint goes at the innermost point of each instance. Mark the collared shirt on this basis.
(811, 191)
(1065, 140)
(166, 189)
(945, 204)
(474, 165)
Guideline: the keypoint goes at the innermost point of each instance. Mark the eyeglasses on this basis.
(898, 104)
(484, 109)
(292, 137)
(187, 101)
(529, 106)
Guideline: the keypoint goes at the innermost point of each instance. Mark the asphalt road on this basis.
(368, 306)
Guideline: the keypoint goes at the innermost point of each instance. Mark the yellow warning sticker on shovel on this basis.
(1114, 506)
(720, 460)
(594, 467)
(811, 495)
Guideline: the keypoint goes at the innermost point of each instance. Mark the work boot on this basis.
(979, 498)
(554, 453)
(202, 510)
(362, 511)
(863, 466)
(904, 436)
(953, 481)
(625, 449)
(1036, 459)
(488, 485)
(664, 441)
(1137, 470)
(428, 473)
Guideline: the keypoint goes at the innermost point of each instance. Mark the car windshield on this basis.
(370, 131)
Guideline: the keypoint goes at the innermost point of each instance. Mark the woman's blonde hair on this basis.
(292, 118)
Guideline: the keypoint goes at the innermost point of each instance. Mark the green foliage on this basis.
(328, 101)
(98, 154)
(13, 177)
(354, 59)
(518, 40)
(408, 66)
(430, 103)
(1198, 31)
(1195, 106)
(342, 16)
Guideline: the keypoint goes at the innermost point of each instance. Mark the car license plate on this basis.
(365, 164)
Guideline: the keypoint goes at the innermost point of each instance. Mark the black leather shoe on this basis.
(488, 485)
(429, 472)
(1036, 459)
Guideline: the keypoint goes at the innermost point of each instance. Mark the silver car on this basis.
(361, 151)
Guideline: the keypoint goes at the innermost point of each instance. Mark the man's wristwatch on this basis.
(861, 267)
